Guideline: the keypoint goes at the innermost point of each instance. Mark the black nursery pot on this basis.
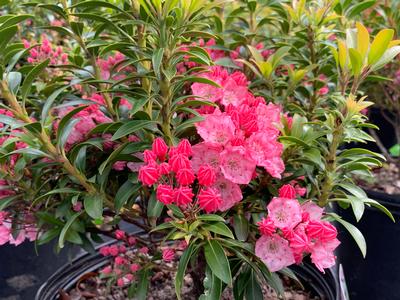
(378, 275)
(325, 286)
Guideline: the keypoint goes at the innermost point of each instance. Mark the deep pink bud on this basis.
(206, 175)
(113, 250)
(149, 156)
(164, 168)
(209, 199)
(315, 229)
(105, 251)
(287, 191)
(77, 206)
(266, 226)
(165, 194)
(119, 261)
(120, 234)
(183, 195)
(106, 271)
(185, 176)
(148, 175)
(131, 241)
(120, 282)
(122, 249)
(178, 162)
(144, 250)
(160, 148)
(168, 255)
(185, 148)
(134, 268)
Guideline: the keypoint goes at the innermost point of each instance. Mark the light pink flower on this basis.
(217, 128)
(285, 213)
(230, 192)
(206, 154)
(4, 234)
(313, 210)
(322, 255)
(236, 165)
(274, 251)
(168, 255)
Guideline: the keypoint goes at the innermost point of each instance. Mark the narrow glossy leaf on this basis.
(379, 45)
(211, 217)
(379, 206)
(386, 58)
(342, 52)
(253, 288)
(241, 227)
(212, 286)
(14, 80)
(143, 284)
(201, 80)
(354, 232)
(6, 201)
(356, 61)
(358, 8)
(65, 229)
(27, 85)
(176, 210)
(182, 266)
(154, 207)
(362, 40)
(157, 61)
(94, 205)
(123, 195)
(219, 228)
(6, 35)
(217, 261)
(112, 158)
(131, 127)
(49, 102)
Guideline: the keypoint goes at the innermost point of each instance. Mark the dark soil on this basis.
(162, 288)
(386, 180)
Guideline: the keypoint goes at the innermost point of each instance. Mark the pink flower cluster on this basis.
(26, 229)
(239, 135)
(127, 258)
(44, 51)
(170, 168)
(292, 230)
(111, 65)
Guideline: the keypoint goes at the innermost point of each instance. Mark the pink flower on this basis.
(322, 230)
(160, 148)
(120, 260)
(233, 94)
(4, 235)
(313, 211)
(120, 282)
(185, 176)
(77, 206)
(206, 175)
(113, 250)
(183, 195)
(184, 148)
(323, 91)
(274, 251)
(134, 268)
(105, 251)
(230, 192)
(119, 165)
(287, 191)
(131, 241)
(120, 234)
(285, 213)
(266, 226)
(168, 255)
(178, 162)
(236, 165)
(165, 194)
(322, 255)
(106, 271)
(206, 154)
(144, 250)
(209, 199)
(299, 243)
(122, 249)
(216, 128)
(148, 175)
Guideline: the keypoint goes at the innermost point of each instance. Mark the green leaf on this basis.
(217, 261)
(112, 158)
(157, 61)
(241, 227)
(94, 205)
(27, 85)
(131, 127)
(49, 102)
(154, 207)
(176, 210)
(379, 45)
(212, 286)
(202, 80)
(211, 217)
(395, 150)
(219, 228)
(6, 35)
(253, 288)
(124, 193)
(143, 285)
(355, 10)
(6, 201)
(66, 227)
(183, 263)
(14, 80)
(386, 58)
(356, 61)
(354, 232)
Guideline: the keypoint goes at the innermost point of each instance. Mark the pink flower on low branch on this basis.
(285, 213)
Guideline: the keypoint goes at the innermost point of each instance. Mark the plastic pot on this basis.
(378, 275)
(325, 286)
